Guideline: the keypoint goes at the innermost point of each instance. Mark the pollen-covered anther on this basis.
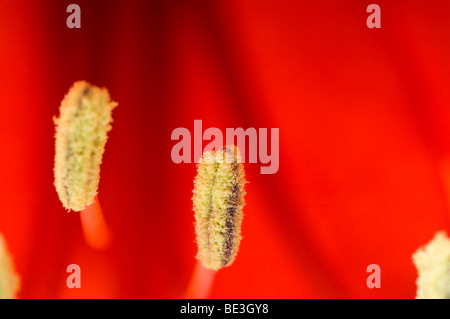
(433, 267)
(81, 133)
(9, 279)
(218, 202)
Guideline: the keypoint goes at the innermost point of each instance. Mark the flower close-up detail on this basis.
(119, 179)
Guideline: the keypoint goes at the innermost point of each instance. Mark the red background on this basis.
(364, 141)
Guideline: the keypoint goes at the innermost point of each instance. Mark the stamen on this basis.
(433, 267)
(81, 134)
(218, 202)
(9, 279)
